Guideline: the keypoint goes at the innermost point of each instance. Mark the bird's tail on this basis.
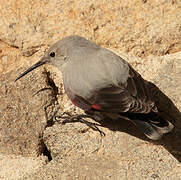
(154, 130)
(152, 125)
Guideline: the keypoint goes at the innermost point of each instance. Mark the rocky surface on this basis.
(22, 115)
(140, 27)
(147, 29)
(16, 167)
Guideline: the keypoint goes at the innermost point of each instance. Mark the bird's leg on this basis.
(96, 115)
(71, 118)
(79, 118)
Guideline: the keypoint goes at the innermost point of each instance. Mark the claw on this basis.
(79, 118)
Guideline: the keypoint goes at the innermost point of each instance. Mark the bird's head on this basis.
(56, 56)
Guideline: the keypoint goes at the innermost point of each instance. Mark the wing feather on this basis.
(133, 96)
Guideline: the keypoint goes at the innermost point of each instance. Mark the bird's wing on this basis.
(133, 96)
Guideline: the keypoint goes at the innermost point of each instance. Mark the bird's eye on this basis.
(52, 54)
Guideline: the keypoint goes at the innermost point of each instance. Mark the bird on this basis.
(97, 79)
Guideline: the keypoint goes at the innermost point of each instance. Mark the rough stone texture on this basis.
(16, 167)
(96, 167)
(143, 28)
(22, 113)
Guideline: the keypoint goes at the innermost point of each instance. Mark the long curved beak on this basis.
(39, 63)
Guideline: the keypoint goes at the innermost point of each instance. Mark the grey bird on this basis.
(96, 79)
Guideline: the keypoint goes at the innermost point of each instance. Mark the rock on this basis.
(22, 113)
(142, 28)
(145, 163)
(146, 29)
(17, 167)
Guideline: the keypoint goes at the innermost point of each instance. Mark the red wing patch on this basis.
(95, 106)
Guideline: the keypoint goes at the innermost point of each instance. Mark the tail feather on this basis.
(163, 127)
(149, 131)
(151, 124)
(154, 130)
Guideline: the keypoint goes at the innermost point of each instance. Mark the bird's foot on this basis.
(68, 118)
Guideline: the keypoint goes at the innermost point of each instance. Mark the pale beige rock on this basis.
(22, 113)
(143, 28)
(146, 163)
(16, 167)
